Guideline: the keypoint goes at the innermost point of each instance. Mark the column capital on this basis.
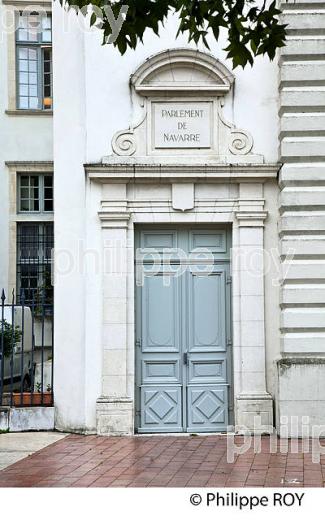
(251, 218)
(114, 219)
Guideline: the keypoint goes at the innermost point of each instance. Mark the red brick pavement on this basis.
(162, 461)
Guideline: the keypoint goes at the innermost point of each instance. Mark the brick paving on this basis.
(162, 461)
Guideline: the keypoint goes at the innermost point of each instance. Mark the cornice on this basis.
(27, 3)
(114, 219)
(251, 218)
(34, 165)
(191, 172)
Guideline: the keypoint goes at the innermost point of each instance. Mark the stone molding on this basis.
(212, 76)
(251, 218)
(230, 144)
(27, 3)
(30, 113)
(112, 219)
(174, 172)
(40, 166)
(183, 80)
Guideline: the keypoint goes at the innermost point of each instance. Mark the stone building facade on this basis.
(189, 231)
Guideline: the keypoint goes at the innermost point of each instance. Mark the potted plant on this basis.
(37, 398)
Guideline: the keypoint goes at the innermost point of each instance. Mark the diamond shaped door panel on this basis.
(207, 408)
(161, 409)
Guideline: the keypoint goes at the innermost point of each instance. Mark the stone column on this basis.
(115, 406)
(253, 404)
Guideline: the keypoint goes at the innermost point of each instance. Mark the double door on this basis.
(183, 344)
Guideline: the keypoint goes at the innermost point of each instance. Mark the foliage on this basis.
(42, 300)
(10, 336)
(252, 29)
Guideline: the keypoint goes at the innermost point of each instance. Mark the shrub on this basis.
(10, 336)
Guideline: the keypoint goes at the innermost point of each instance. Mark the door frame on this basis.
(225, 261)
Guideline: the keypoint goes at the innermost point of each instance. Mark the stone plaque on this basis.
(182, 125)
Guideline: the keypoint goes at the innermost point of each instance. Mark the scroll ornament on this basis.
(241, 142)
(124, 143)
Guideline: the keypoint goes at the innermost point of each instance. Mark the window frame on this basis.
(39, 46)
(41, 194)
(41, 262)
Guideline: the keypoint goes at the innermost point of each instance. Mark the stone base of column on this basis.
(254, 413)
(114, 416)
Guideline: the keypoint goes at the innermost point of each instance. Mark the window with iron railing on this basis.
(34, 61)
(35, 239)
(35, 242)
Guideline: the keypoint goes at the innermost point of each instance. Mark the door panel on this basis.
(182, 370)
(161, 409)
(206, 311)
(207, 408)
(211, 240)
(203, 369)
(160, 330)
(161, 371)
(158, 240)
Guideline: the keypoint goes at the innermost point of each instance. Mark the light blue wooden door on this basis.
(182, 330)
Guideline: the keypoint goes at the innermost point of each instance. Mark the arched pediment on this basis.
(181, 98)
(182, 71)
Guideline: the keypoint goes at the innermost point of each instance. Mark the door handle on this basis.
(185, 358)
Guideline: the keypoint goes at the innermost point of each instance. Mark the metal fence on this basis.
(26, 350)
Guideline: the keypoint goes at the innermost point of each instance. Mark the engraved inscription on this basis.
(182, 125)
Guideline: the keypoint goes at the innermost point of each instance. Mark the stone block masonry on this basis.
(302, 211)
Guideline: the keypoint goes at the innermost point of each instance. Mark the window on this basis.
(34, 61)
(34, 244)
(35, 239)
(35, 192)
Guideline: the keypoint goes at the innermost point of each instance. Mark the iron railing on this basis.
(26, 350)
(35, 241)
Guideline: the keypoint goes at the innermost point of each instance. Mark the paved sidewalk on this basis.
(17, 446)
(161, 461)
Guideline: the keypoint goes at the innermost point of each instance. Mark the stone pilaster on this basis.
(115, 405)
(253, 404)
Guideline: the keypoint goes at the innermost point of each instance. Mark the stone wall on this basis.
(302, 210)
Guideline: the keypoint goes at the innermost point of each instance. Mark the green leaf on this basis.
(253, 29)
